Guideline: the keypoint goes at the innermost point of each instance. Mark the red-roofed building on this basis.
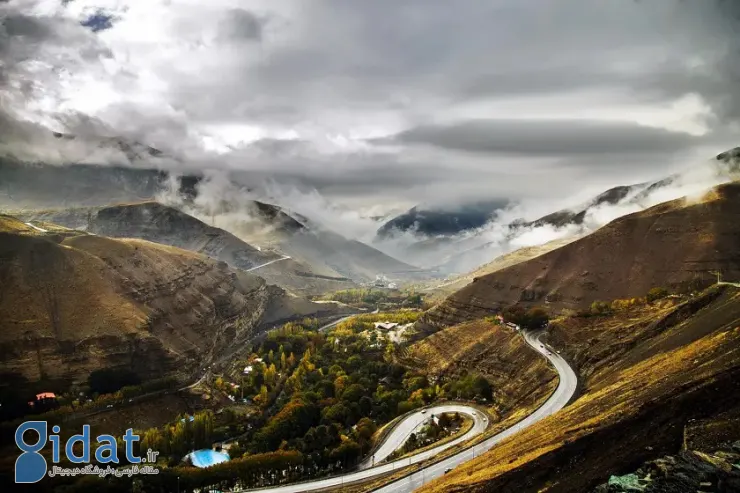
(44, 399)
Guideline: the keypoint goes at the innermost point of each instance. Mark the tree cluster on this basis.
(534, 318)
(175, 440)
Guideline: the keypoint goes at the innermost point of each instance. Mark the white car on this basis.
(423, 411)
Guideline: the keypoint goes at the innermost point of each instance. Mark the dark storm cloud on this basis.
(385, 54)
(331, 66)
(548, 137)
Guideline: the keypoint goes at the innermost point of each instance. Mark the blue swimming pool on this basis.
(207, 457)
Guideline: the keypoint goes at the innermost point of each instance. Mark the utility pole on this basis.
(718, 273)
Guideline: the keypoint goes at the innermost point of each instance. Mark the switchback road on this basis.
(559, 399)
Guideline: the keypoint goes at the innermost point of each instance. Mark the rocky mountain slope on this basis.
(674, 244)
(454, 253)
(520, 380)
(647, 372)
(686, 471)
(167, 225)
(327, 252)
(316, 249)
(436, 291)
(73, 303)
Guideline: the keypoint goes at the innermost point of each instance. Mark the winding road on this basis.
(558, 400)
(284, 257)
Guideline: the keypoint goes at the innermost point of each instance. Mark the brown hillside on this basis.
(519, 376)
(69, 306)
(674, 244)
(167, 225)
(437, 291)
(648, 372)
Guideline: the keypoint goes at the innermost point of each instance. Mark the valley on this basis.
(369, 247)
(306, 369)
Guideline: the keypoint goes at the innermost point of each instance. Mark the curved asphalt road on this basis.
(414, 422)
(558, 400)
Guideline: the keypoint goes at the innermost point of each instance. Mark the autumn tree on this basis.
(656, 294)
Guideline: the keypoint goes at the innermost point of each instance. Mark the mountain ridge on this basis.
(82, 302)
(623, 259)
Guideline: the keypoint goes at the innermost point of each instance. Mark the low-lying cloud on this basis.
(551, 137)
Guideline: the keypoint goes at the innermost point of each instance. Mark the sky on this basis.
(379, 105)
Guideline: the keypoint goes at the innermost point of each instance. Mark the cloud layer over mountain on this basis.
(380, 104)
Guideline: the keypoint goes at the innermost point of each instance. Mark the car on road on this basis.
(448, 470)
(549, 353)
(475, 414)
(423, 411)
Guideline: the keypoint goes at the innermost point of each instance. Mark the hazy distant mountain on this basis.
(443, 222)
(315, 250)
(674, 244)
(33, 186)
(458, 254)
(612, 196)
(169, 226)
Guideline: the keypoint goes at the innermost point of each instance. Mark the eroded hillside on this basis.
(519, 376)
(167, 225)
(647, 372)
(625, 258)
(439, 291)
(69, 305)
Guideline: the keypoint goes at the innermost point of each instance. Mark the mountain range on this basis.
(74, 302)
(624, 259)
(320, 259)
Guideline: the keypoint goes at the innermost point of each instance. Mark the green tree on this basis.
(536, 318)
(656, 294)
(347, 452)
(600, 308)
(295, 418)
(152, 439)
(366, 427)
